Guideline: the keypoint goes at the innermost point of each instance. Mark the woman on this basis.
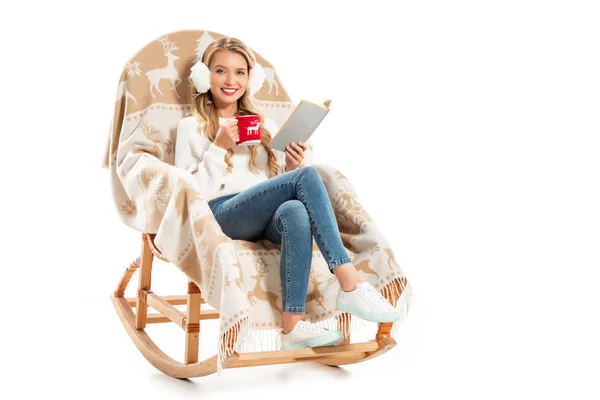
(256, 192)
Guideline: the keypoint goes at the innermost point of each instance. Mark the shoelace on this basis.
(369, 293)
(307, 326)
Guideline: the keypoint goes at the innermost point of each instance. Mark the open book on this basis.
(300, 125)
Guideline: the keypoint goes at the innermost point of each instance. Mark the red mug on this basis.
(248, 130)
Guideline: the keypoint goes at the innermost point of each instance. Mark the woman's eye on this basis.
(218, 71)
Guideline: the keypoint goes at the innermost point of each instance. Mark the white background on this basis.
(470, 130)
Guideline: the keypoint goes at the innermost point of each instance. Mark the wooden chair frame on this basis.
(135, 323)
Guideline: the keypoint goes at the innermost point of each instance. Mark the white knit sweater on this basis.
(206, 161)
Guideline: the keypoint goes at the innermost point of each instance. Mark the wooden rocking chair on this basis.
(134, 100)
(134, 315)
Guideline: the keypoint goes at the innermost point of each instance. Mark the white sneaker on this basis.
(306, 334)
(367, 303)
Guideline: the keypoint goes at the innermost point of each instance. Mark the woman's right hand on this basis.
(227, 135)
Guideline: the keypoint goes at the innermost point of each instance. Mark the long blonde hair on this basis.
(205, 111)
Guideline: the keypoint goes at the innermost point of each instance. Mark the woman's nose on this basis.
(230, 79)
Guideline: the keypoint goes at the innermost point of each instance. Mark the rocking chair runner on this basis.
(147, 111)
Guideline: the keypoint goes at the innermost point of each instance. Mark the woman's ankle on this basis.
(347, 276)
(289, 321)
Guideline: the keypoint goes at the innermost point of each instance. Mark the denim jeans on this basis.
(289, 209)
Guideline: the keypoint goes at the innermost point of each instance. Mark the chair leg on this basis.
(192, 326)
(384, 328)
(144, 284)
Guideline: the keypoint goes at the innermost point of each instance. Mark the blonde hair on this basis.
(205, 111)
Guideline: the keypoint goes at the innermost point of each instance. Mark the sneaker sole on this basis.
(329, 339)
(387, 317)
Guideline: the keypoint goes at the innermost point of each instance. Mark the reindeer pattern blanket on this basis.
(150, 195)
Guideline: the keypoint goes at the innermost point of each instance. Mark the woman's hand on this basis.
(294, 154)
(227, 135)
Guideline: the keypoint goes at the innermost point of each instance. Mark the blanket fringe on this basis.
(401, 290)
(248, 340)
(240, 333)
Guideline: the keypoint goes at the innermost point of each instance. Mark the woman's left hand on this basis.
(294, 154)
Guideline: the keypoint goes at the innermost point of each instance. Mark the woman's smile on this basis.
(229, 92)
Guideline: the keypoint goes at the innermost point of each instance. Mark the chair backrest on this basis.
(154, 92)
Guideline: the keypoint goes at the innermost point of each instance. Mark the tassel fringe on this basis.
(239, 334)
(248, 340)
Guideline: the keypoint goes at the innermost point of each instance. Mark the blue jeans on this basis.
(288, 209)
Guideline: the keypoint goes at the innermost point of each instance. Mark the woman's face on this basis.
(228, 76)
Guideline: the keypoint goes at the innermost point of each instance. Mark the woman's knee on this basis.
(294, 213)
(311, 173)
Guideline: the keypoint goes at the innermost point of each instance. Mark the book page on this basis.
(300, 125)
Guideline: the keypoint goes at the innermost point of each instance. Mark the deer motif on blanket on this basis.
(240, 280)
(270, 78)
(169, 72)
(316, 294)
(258, 292)
(364, 265)
(152, 133)
(391, 259)
(122, 91)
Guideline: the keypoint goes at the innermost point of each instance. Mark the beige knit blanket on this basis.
(151, 195)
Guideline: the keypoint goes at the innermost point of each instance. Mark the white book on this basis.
(300, 125)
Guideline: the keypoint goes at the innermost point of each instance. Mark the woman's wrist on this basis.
(218, 144)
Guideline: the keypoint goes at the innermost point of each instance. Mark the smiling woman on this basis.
(193, 212)
(224, 83)
(287, 197)
(231, 77)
